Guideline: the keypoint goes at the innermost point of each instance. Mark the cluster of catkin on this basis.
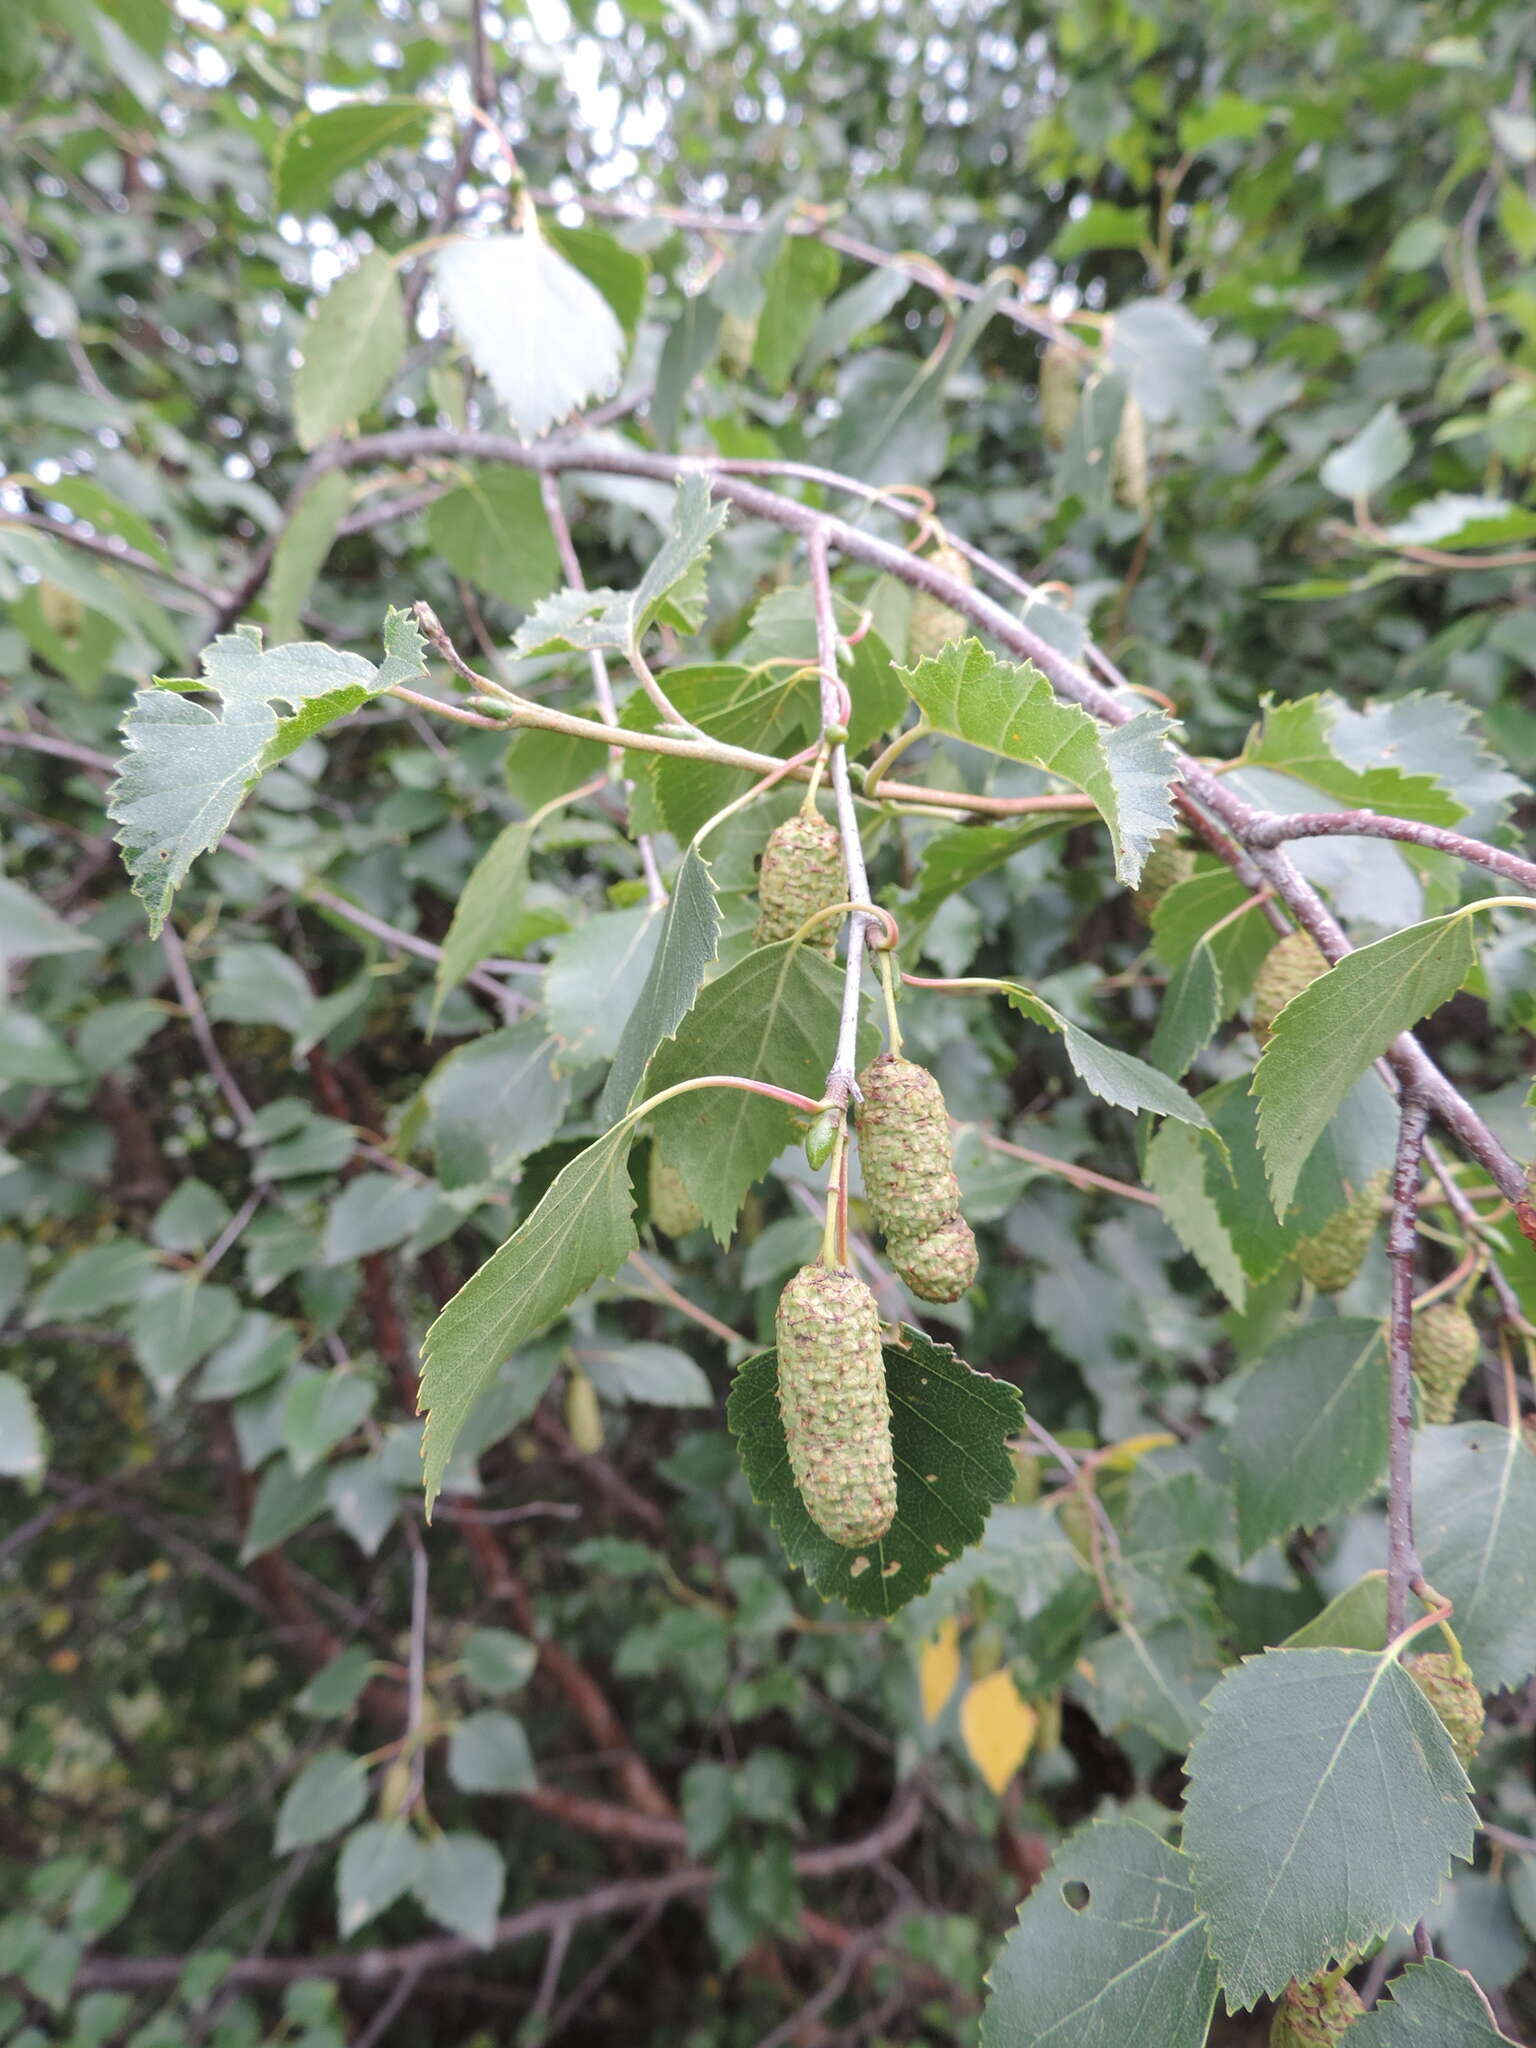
(831, 1369)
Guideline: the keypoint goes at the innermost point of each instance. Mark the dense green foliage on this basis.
(355, 1058)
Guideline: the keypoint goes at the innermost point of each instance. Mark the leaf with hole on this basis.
(1109, 1949)
(1325, 1805)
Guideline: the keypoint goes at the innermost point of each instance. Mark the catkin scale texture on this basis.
(1445, 1354)
(909, 1178)
(1315, 2015)
(940, 1266)
(834, 1405)
(904, 1144)
(802, 872)
(932, 623)
(1291, 965)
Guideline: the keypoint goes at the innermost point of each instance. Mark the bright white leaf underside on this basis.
(186, 767)
(545, 338)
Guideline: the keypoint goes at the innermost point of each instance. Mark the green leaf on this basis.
(363, 1497)
(731, 704)
(685, 951)
(595, 976)
(783, 631)
(949, 1427)
(174, 1324)
(23, 1452)
(1371, 459)
(1190, 1014)
(29, 929)
(379, 1863)
(1190, 913)
(772, 1017)
(495, 1101)
(1330, 1034)
(642, 1370)
(327, 1796)
(1431, 2005)
(1011, 710)
(1118, 1078)
(460, 1885)
(542, 334)
(619, 273)
(1474, 1508)
(582, 1231)
(321, 1411)
(373, 1213)
(488, 1752)
(1451, 520)
(109, 1275)
(315, 150)
(1102, 226)
(1308, 1439)
(671, 592)
(1176, 1173)
(286, 1502)
(493, 531)
(336, 1687)
(1226, 117)
(186, 768)
(1109, 1949)
(1296, 739)
(1324, 1806)
(1355, 1619)
(489, 906)
(803, 273)
(301, 553)
(112, 1034)
(852, 313)
(1153, 1678)
(352, 345)
(497, 1661)
(952, 860)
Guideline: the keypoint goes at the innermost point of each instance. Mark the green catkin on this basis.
(1445, 1353)
(1315, 2015)
(1169, 863)
(834, 1405)
(931, 623)
(909, 1178)
(1061, 374)
(940, 1266)
(1332, 1258)
(1455, 1698)
(1129, 461)
(1291, 965)
(802, 872)
(583, 1414)
(674, 1212)
(738, 341)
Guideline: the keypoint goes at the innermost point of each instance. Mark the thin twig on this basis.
(627, 1895)
(1272, 831)
(853, 1959)
(416, 1670)
(1402, 1245)
(602, 682)
(841, 1081)
(202, 1030)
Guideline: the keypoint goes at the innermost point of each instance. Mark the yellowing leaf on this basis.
(1126, 1455)
(998, 1728)
(938, 1667)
